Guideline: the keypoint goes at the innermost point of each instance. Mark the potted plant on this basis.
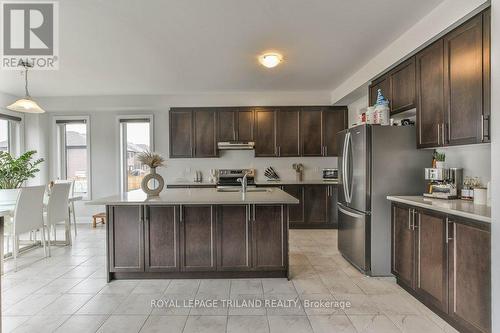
(439, 158)
(15, 171)
(153, 160)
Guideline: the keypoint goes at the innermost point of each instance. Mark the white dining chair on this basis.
(57, 210)
(28, 217)
(71, 205)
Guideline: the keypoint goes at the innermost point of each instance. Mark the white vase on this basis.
(440, 165)
(10, 195)
(152, 192)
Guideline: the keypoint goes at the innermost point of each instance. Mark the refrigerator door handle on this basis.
(351, 214)
(344, 184)
(347, 167)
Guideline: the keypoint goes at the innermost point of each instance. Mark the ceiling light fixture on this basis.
(270, 60)
(26, 104)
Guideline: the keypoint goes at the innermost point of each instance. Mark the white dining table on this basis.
(7, 210)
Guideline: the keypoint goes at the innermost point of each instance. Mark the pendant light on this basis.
(26, 104)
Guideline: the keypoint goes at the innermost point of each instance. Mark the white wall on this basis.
(495, 159)
(442, 18)
(355, 109)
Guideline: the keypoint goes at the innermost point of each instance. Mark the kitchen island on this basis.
(197, 233)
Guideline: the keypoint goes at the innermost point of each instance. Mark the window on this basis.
(73, 151)
(135, 137)
(10, 133)
(4, 135)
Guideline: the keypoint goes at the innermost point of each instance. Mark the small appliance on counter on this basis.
(330, 174)
(443, 183)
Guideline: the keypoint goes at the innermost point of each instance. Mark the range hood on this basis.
(236, 145)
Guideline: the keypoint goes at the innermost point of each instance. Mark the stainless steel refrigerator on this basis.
(374, 162)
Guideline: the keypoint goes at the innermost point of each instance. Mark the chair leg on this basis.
(14, 251)
(48, 237)
(55, 232)
(74, 216)
(67, 223)
(43, 242)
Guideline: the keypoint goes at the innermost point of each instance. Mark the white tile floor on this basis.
(68, 293)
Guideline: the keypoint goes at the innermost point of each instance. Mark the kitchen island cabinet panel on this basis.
(233, 238)
(295, 212)
(161, 239)
(197, 236)
(269, 235)
(125, 229)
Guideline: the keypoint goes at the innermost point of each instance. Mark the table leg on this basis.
(74, 215)
(1, 244)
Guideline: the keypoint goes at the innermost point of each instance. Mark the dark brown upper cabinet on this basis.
(402, 85)
(228, 125)
(288, 132)
(181, 133)
(430, 95)
(383, 83)
(265, 132)
(245, 118)
(205, 133)
(235, 124)
(311, 125)
(463, 63)
(486, 76)
(334, 121)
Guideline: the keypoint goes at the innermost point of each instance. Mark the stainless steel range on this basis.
(231, 178)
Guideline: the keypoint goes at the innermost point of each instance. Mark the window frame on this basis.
(122, 156)
(15, 132)
(60, 149)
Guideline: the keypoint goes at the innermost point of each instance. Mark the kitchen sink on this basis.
(237, 189)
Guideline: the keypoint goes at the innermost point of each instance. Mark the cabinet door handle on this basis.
(253, 206)
(448, 238)
(446, 133)
(181, 215)
(439, 134)
(409, 218)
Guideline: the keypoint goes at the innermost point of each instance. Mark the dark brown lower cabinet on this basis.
(201, 241)
(470, 276)
(233, 238)
(317, 207)
(444, 261)
(161, 239)
(270, 237)
(403, 245)
(126, 238)
(197, 237)
(432, 259)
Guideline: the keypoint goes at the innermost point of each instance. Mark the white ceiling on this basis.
(118, 47)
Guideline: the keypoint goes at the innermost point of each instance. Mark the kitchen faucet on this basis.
(243, 182)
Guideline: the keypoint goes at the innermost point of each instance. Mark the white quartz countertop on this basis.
(456, 207)
(199, 196)
(262, 182)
